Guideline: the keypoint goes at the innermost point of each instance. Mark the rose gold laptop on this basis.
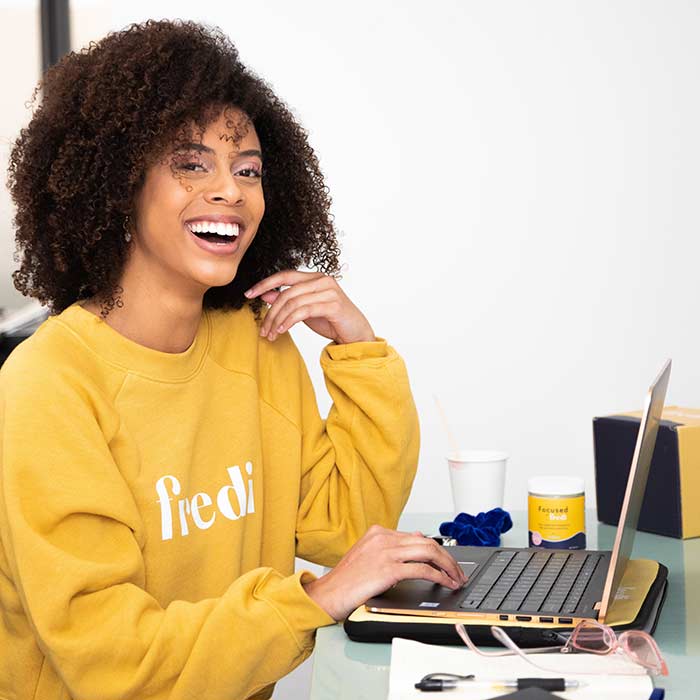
(540, 585)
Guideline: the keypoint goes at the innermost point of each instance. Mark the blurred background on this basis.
(516, 185)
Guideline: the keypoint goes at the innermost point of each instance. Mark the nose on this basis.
(224, 189)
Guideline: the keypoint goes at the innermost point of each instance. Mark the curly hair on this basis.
(106, 114)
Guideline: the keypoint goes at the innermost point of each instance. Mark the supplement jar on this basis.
(556, 512)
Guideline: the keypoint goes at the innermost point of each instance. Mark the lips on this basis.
(224, 246)
(216, 233)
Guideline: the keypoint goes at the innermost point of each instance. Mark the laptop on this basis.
(548, 586)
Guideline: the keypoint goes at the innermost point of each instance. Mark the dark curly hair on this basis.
(106, 114)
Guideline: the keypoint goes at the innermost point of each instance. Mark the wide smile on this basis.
(215, 237)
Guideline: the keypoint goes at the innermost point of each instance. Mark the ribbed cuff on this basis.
(356, 351)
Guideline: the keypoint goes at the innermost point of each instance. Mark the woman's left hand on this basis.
(314, 298)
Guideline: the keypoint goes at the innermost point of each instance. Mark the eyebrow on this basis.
(201, 148)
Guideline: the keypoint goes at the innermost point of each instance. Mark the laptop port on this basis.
(546, 619)
(566, 620)
(503, 617)
(523, 618)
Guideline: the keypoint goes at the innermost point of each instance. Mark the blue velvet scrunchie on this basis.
(482, 530)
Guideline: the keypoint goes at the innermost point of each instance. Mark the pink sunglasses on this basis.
(588, 636)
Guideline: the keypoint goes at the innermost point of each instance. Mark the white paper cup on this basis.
(478, 480)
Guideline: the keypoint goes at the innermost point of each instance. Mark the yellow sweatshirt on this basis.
(151, 504)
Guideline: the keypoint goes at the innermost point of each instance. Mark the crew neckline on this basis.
(117, 349)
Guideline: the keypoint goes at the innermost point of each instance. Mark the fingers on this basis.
(416, 546)
(432, 555)
(331, 315)
(307, 288)
(269, 297)
(377, 561)
(316, 306)
(297, 304)
(428, 573)
(281, 279)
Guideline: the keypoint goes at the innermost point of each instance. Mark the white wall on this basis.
(517, 185)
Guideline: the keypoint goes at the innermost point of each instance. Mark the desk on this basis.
(346, 670)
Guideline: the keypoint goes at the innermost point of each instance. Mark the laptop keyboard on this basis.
(545, 581)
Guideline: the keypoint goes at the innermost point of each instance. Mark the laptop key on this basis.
(475, 596)
(496, 567)
(515, 598)
(507, 580)
(488, 577)
(491, 603)
(550, 608)
(564, 584)
(577, 591)
(545, 582)
(470, 602)
(527, 579)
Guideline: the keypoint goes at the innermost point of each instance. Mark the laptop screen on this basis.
(636, 486)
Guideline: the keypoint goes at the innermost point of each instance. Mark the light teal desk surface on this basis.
(343, 669)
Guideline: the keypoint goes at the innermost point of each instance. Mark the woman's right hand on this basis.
(377, 561)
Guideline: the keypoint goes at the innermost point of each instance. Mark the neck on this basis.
(164, 320)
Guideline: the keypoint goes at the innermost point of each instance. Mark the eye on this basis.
(255, 172)
(192, 166)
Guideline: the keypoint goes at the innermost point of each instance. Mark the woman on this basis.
(163, 459)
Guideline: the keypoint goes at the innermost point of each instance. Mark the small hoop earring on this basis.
(127, 233)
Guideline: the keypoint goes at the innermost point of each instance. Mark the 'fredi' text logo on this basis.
(199, 509)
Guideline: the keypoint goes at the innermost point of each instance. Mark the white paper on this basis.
(410, 661)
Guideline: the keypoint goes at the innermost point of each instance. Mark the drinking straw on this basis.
(450, 435)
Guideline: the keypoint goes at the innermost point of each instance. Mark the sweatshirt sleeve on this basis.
(72, 536)
(357, 466)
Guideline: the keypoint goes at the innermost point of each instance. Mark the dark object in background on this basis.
(673, 489)
(55, 32)
(18, 325)
(8, 343)
(528, 694)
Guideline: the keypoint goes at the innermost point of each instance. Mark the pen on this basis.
(438, 684)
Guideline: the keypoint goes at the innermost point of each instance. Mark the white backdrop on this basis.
(517, 188)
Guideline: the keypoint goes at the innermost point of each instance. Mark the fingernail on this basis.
(249, 293)
(280, 329)
(263, 332)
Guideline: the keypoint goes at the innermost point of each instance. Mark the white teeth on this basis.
(223, 229)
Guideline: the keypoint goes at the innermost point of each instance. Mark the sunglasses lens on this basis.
(591, 638)
(644, 652)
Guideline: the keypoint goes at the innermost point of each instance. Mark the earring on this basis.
(127, 233)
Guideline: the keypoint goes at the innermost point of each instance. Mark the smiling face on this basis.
(199, 210)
